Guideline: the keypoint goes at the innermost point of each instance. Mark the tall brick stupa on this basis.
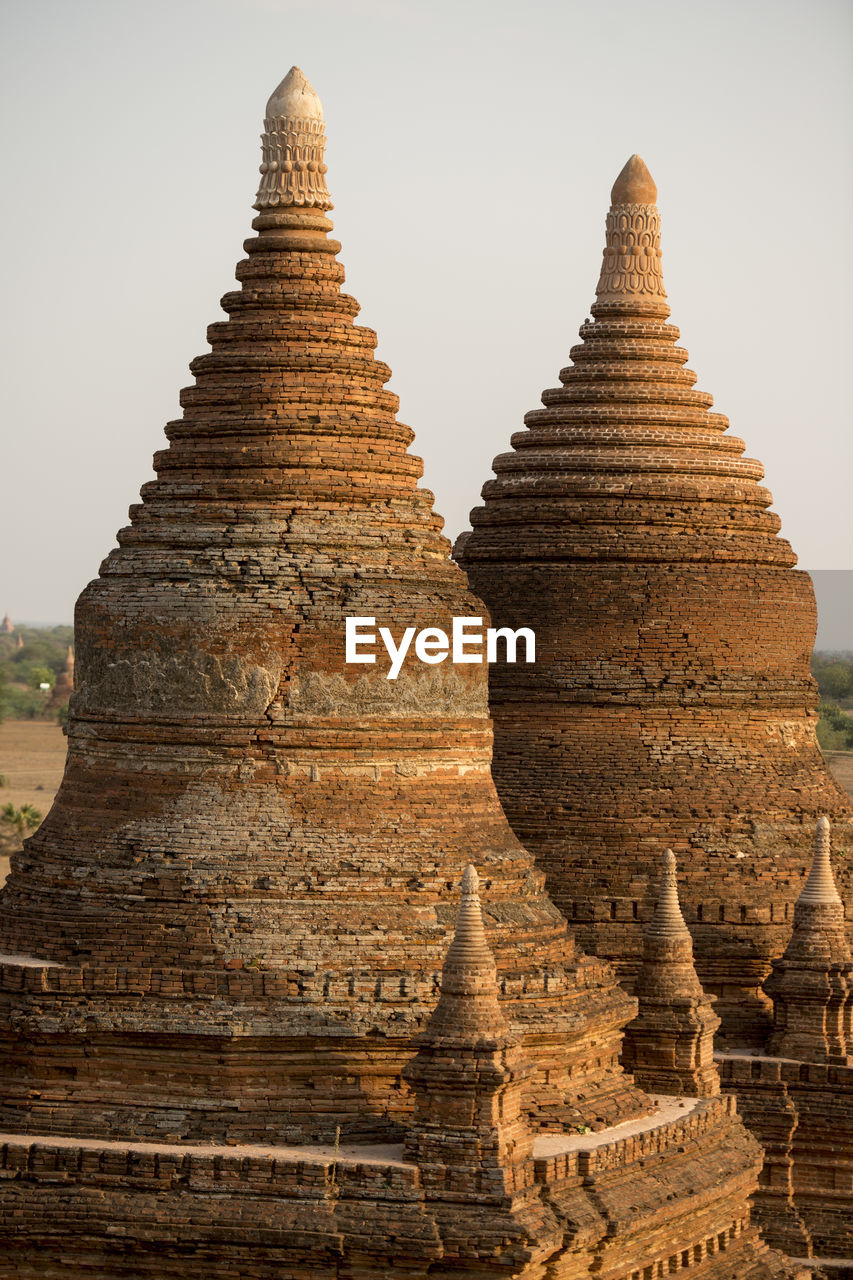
(252, 833)
(237, 1036)
(671, 701)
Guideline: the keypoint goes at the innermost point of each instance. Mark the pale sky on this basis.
(472, 147)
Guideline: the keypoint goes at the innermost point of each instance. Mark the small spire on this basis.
(667, 921)
(295, 97)
(634, 185)
(293, 144)
(469, 945)
(820, 886)
(669, 1047)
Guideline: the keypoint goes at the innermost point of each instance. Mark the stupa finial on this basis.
(631, 271)
(820, 885)
(295, 98)
(667, 921)
(293, 145)
(635, 185)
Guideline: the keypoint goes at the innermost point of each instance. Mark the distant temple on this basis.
(247, 1026)
(7, 624)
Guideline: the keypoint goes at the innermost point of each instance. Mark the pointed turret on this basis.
(468, 1006)
(671, 701)
(667, 924)
(812, 985)
(468, 1073)
(669, 1046)
(819, 889)
(64, 687)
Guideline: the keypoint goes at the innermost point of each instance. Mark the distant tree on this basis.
(834, 728)
(23, 704)
(836, 680)
(834, 674)
(27, 818)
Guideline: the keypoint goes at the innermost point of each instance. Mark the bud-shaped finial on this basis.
(820, 885)
(293, 144)
(635, 185)
(295, 98)
(631, 270)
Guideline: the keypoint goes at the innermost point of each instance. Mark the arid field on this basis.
(32, 757)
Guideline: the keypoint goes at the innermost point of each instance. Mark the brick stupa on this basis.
(671, 701)
(256, 844)
(225, 942)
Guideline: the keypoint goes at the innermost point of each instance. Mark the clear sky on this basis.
(472, 147)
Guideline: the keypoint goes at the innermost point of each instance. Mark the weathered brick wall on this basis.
(809, 1171)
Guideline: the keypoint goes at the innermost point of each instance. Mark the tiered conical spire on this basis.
(254, 833)
(468, 1006)
(667, 923)
(671, 699)
(819, 889)
(669, 1046)
(812, 985)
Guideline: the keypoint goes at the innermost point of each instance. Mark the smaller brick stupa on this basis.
(797, 1096)
(812, 985)
(469, 1133)
(7, 625)
(669, 1047)
(671, 701)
